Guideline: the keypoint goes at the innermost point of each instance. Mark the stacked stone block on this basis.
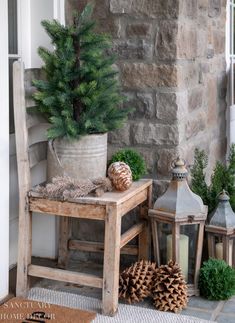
(171, 59)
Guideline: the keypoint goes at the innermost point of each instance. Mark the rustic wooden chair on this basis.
(30, 130)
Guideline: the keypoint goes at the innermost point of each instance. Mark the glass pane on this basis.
(233, 252)
(164, 234)
(218, 247)
(12, 26)
(233, 29)
(12, 127)
(189, 235)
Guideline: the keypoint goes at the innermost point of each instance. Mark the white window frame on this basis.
(231, 51)
(24, 27)
(230, 58)
(4, 151)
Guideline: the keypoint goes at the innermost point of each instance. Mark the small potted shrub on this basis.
(133, 159)
(216, 280)
(80, 97)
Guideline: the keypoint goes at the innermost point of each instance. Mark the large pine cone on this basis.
(120, 175)
(170, 289)
(136, 282)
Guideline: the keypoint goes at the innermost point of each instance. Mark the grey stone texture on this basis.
(171, 59)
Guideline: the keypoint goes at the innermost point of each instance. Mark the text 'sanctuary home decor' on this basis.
(178, 219)
(221, 231)
(80, 97)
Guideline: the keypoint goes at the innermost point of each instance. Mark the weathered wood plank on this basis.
(175, 242)
(34, 118)
(75, 210)
(91, 246)
(37, 153)
(156, 251)
(24, 181)
(38, 133)
(111, 261)
(199, 252)
(64, 235)
(211, 244)
(111, 198)
(132, 202)
(132, 233)
(65, 275)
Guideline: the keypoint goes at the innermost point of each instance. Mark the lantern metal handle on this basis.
(173, 163)
(223, 192)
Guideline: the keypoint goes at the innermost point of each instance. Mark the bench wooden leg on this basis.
(24, 251)
(111, 261)
(144, 236)
(64, 235)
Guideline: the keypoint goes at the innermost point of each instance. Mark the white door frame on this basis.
(230, 58)
(4, 152)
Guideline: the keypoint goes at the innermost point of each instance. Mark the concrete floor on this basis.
(219, 311)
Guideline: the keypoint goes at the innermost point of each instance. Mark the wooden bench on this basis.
(110, 208)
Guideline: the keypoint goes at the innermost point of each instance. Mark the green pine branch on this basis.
(223, 177)
(81, 94)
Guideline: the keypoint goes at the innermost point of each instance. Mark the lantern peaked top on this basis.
(179, 201)
(223, 216)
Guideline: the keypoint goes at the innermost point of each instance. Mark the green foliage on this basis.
(223, 177)
(133, 159)
(216, 280)
(198, 184)
(81, 94)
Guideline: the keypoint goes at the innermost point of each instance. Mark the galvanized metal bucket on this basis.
(80, 159)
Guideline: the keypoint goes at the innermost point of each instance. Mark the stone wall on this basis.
(171, 58)
(172, 69)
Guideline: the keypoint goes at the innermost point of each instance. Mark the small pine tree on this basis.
(223, 177)
(81, 94)
(198, 183)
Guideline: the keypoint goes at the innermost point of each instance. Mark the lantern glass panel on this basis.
(218, 246)
(188, 248)
(164, 230)
(233, 253)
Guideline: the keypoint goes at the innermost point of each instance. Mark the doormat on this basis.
(20, 310)
(126, 313)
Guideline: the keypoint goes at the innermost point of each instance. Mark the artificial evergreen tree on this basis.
(80, 94)
(223, 177)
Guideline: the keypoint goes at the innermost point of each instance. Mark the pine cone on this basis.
(135, 282)
(170, 289)
(120, 175)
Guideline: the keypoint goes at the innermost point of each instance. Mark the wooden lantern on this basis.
(221, 231)
(178, 220)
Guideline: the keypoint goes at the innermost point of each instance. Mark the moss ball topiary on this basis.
(133, 159)
(216, 280)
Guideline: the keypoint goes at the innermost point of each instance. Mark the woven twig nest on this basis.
(65, 187)
(170, 289)
(120, 175)
(135, 282)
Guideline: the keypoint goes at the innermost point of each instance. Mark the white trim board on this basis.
(4, 151)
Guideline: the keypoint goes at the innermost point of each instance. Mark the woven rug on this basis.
(18, 310)
(126, 313)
